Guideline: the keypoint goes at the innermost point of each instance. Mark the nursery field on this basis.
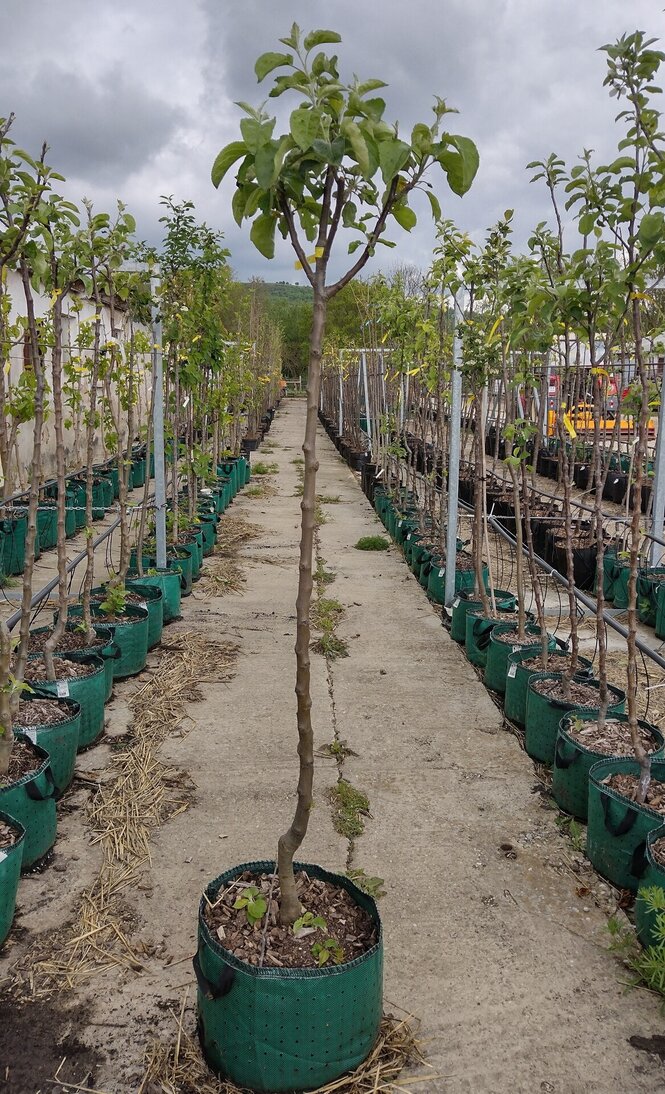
(486, 901)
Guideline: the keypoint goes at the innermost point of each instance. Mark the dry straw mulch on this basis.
(179, 1068)
(125, 811)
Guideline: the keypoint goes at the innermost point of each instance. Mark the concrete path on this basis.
(504, 959)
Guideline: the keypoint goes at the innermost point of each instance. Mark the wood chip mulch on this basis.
(580, 694)
(268, 944)
(22, 760)
(626, 785)
(43, 712)
(8, 835)
(612, 740)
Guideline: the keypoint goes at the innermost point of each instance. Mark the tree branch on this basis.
(295, 242)
(334, 225)
(378, 229)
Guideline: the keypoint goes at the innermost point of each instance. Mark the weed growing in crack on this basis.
(331, 646)
(322, 576)
(328, 499)
(326, 612)
(261, 468)
(373, 886)
(349, 808)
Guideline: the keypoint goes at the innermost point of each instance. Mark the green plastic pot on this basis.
(573, 762)
(153, 599)
(209, 532)
(652, 876)
(229, 469)
(130, 635)
(464, 580)
(543, 715)
(618, 829)
(15, 530)
(47, 526)
(31, 802)
(60, 741)
(622, 574)
(10, 872)
(467, 601)
(107, 650)
(518, 676)
(88, 691)
(498, 652)
(610, 573)
(169, 582)
(138, 472)
(248, 469)
(194, 549)
(426, 563)
(477, 637)
(75, 494)
(273, 1029)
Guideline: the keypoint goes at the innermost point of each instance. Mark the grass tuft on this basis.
(372, 543)
(331, 646)
(261, 468)
(349, 808)
(328, 499)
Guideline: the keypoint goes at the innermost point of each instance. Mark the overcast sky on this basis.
(135, 97)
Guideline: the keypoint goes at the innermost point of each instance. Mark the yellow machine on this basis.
(581, 421)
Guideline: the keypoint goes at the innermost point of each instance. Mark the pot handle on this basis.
(38, 795)
(639, 861)
(625, 825)
(112, 652)
(561, 643)
(560, 759)
(212, 991)
(482, 630)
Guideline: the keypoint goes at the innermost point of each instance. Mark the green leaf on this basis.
(358, 145)
(330, 153)
(421, 138)
(586, 224)
(264, 165)
(225, 159)
(393, 154)
(434, 202)
(651, 230)
(305, 125)
(262, 235)
(355, 244)
(370, 85)
(255, 133)
(269, 61)
(320, 38)
(349, 213)
(404, 216)
(470, 159)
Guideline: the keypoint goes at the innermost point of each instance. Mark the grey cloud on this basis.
(105, 130)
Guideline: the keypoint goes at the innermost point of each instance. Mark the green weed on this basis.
(372, 543)
(261, 468)
(373, 886)
(331, 645)
(328, 499)
(349, 808)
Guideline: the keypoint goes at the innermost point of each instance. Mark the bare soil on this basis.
(52, 1030)
(511, 637)
(266, 943)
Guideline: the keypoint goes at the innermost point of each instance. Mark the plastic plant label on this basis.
(441, 572)
(399, 523)
(409, 536)
(62, 689)
(512, 672)
(515, 649)
(31, 734)
(456, 602)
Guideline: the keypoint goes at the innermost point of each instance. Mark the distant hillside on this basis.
(283, 292)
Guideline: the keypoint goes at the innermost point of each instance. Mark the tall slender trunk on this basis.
(56, 370)
(90, 434)
(35, 478)
(291, 840)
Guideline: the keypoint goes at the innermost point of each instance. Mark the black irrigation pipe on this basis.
(71, 566)
(588, 603)
(52, 482)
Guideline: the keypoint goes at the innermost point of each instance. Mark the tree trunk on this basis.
(291, 840)
(56, 371)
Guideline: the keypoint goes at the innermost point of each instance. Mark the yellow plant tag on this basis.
(569, 425)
